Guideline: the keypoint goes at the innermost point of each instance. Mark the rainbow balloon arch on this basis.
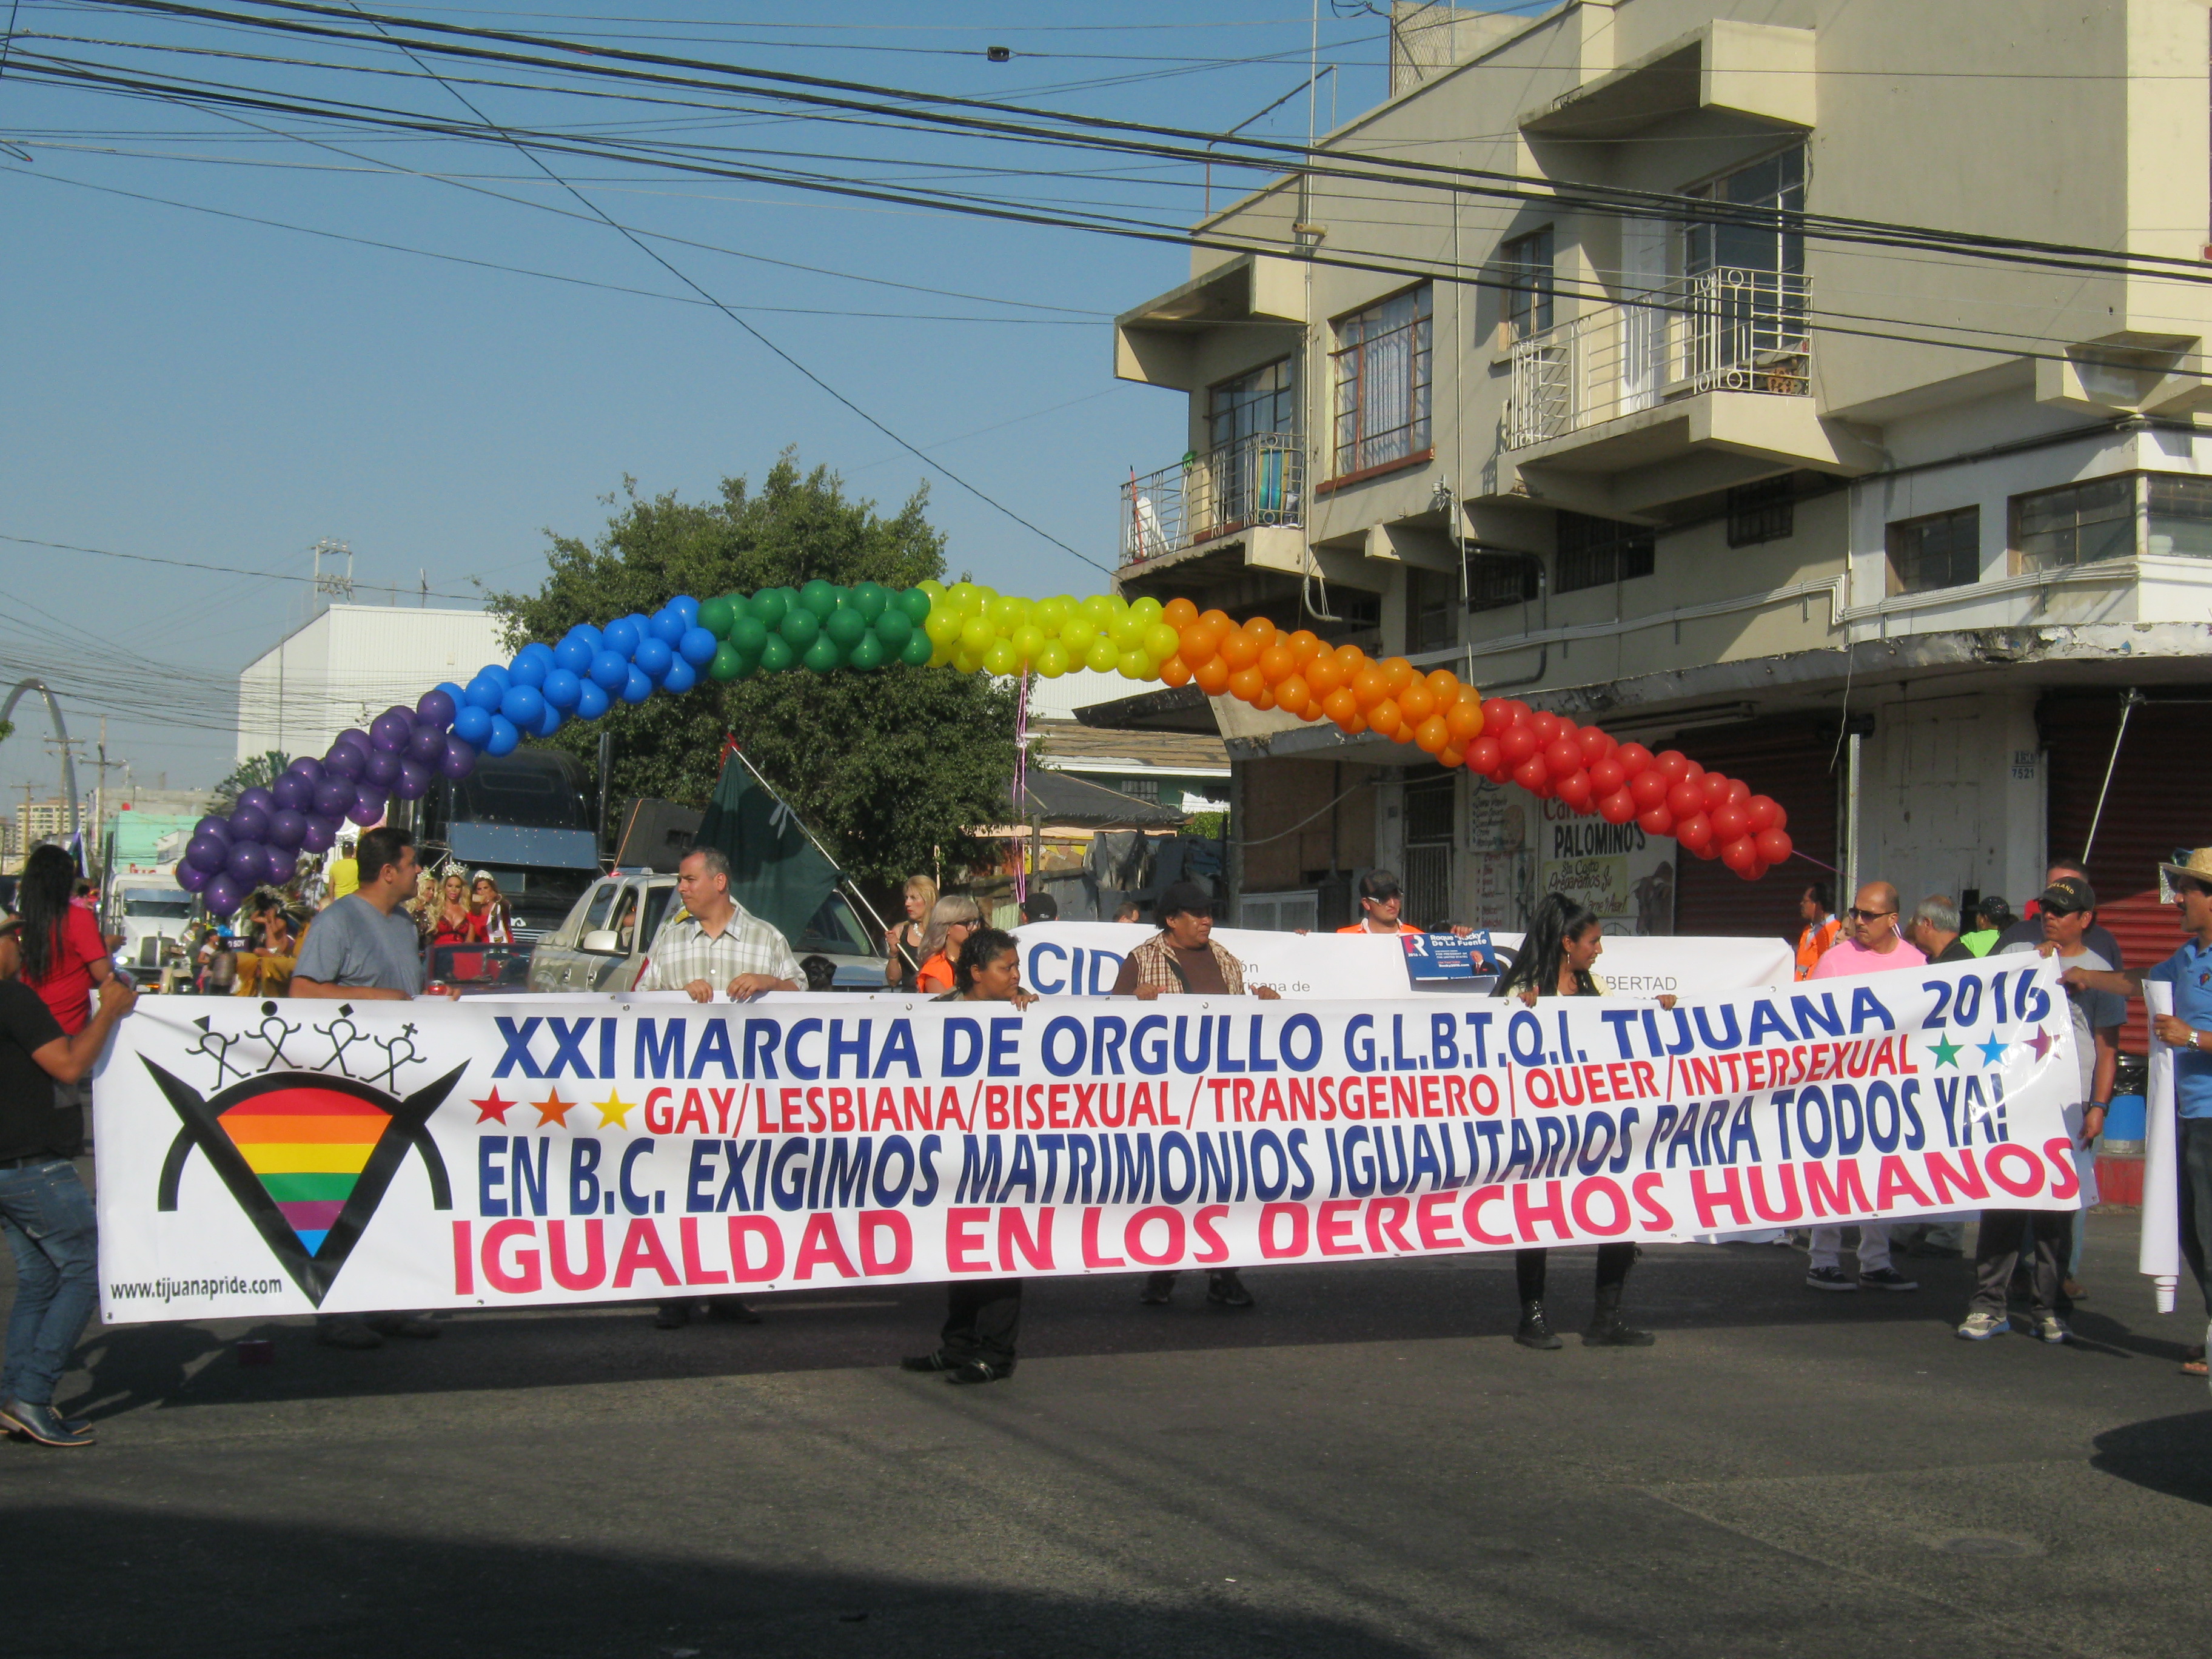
(827, 629)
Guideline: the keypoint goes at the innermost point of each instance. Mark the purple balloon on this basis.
(261, 798)
(356, 737)
(414, 780)
(286, 830)
(333, 799)
(292, 791)
(344, 762)
(458, 760)
(320, 835)
(308, 768)
(212, 825)
(223, 895)
(193, 879)
(427, 745)
(434, 708)
(368, 806)
(243, 863)
(390, 732)
(208, 854)
(382, 770)
(248, 822)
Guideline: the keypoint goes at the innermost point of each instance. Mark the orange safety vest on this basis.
(1815, 943)
(1361, 927)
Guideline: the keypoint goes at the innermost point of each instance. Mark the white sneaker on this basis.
(1980, 1327)
(2052, 1329)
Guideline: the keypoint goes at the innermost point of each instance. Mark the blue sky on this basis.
(205, 389)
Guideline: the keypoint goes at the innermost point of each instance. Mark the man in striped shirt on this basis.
(713, 943)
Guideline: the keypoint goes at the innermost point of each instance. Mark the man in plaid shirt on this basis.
(714, 944)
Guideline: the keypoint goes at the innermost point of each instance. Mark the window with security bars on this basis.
(1263, 401)
(1763, 512)
(1591, 552)
(1494, 583)
(1526, 264)
(2161, 513)
(1431, 610)
(1429, 806)
(1382, 365)
(1943, 550)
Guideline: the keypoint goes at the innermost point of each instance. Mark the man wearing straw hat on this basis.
(2188, 1030)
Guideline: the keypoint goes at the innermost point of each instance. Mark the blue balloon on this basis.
(560, 689)
(538, 652)
(668, 626)
(653, 656)
(697, 646)
(549, 723)
(622, 637)
(609, 670)
(686, 607)
(592, 701)
(681, 677)
(496, 674)
(574, 655)
(527, 671)
(472, 726)
(637, 688)
(485, 692)
(589, 635)
(522, 705)
(503, 737)
(459, 695)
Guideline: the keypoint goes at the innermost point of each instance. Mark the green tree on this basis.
(892, 768)
(254, 772)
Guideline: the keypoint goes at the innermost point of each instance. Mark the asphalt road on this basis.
(1365, 1464)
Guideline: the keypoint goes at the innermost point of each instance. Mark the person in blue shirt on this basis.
(2188, 1029)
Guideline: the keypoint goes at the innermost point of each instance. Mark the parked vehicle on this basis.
(478, 970)
(152, 914)
(526, 818)
(602, 943)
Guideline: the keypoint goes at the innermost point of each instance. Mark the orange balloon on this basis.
(1277, 663)
(1444, 687)
(1417, 702)
(1464, 720)
(1212, 676)
(1450, 756)
(1350, 659)
(1370, 685)
(1175, 672)
(1220, 621)
(1400, 673)
(1246, 683)
(1322, 674)
(1386, 718)
(1432, 734)
(1306, 643)
(1341, 706)
(1294, 693)
(1198, 643)
(1262, 631)
(1238, 651)
(1265, 699)
(1179, 614)
(1355, 726)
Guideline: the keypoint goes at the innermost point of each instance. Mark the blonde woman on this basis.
(952, 919)
(903, 942)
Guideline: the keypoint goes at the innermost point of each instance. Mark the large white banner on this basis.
(276, 1157)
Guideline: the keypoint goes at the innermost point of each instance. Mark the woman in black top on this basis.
(1562, 941)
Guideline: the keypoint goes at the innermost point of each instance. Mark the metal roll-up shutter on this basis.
(1788, 760)
(2159, 801)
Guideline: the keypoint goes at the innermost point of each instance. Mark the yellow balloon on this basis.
(1134, 665)
(940, 654)
(1149, 608)
(1104, 657)
(965, 596)
(1000, 659)
(1028, 641)
(1051, 615)
(1078, 634)
(1160, 642)
(977, 636)
(1128, 631)
(967, 661)
(1051, 661)
(1099, 608)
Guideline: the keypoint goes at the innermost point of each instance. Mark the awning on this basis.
(1057, 798)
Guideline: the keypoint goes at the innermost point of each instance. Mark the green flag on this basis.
(775, 870)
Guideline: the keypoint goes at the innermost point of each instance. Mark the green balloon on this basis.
(769, 605)
(728, 664)
(866, 656)
(822, 656)
(917, 650)
(914, 601)
(716, 616)
(777, 656)
(893, 628)
(847, 626)
(799, 628)
(872, 597)
(748, 634)
(820, 598)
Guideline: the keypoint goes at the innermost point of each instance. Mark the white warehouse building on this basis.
(351, 663)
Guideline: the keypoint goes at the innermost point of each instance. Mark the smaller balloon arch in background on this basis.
(61, 739)
(825, 629)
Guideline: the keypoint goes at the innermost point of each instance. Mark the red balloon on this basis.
(1774, 846)
(1499, 715)
(1618, 807)
(1781, 818)
(1574, 789)
(1672, 762)
(1562, 756)
(1655, 821)
(1694, 831)
(1729, 820)
(1633, 757)
(1649, 787)
(1756, 870)
(1532, 773)
(1716, 791)
(1595, 743)
(1684, 799)
(1758, 811)
(1693, 773)
(1482, 754)
(1519, 742)
(1739, 854)
(1606, 775)
(1738, 791)
(1546, 726)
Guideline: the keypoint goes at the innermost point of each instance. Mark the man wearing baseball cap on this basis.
(44, 1210)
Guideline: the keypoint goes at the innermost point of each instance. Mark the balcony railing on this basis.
(1721, 330)
(1260, 480)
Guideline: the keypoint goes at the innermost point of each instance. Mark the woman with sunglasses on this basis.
(953, 920)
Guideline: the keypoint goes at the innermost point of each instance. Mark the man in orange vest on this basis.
(1823, 927)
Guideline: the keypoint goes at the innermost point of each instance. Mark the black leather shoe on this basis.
(42, 1423)
(75, 1424)
(733, 1309)
(672, 1316)
(1225, 1290)
(937, 1361)
(979, 1371)
(1535, 1330)
(1159, 1287)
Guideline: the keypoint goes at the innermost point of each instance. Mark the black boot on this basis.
(1535, 1331)
(1606, 1330)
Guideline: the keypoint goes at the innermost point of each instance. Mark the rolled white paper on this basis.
(2158, 1256)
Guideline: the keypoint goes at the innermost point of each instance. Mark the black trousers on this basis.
(1613, 1261)
(2045, 1238)
(981, 1319)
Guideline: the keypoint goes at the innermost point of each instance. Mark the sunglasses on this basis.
(1871, 915)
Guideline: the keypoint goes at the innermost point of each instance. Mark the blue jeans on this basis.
(47, 1215)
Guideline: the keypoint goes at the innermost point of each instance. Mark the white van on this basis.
(151, 913)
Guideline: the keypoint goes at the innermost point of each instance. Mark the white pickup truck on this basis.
(602, 945)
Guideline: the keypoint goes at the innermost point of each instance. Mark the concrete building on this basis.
(1889, 531)
(351, 663)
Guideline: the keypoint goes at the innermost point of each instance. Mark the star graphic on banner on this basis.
(2042, 1043)
(553, 1109)
(1946, 1051)
(613, 1110)
(494, 1109)
(1993, 1051)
